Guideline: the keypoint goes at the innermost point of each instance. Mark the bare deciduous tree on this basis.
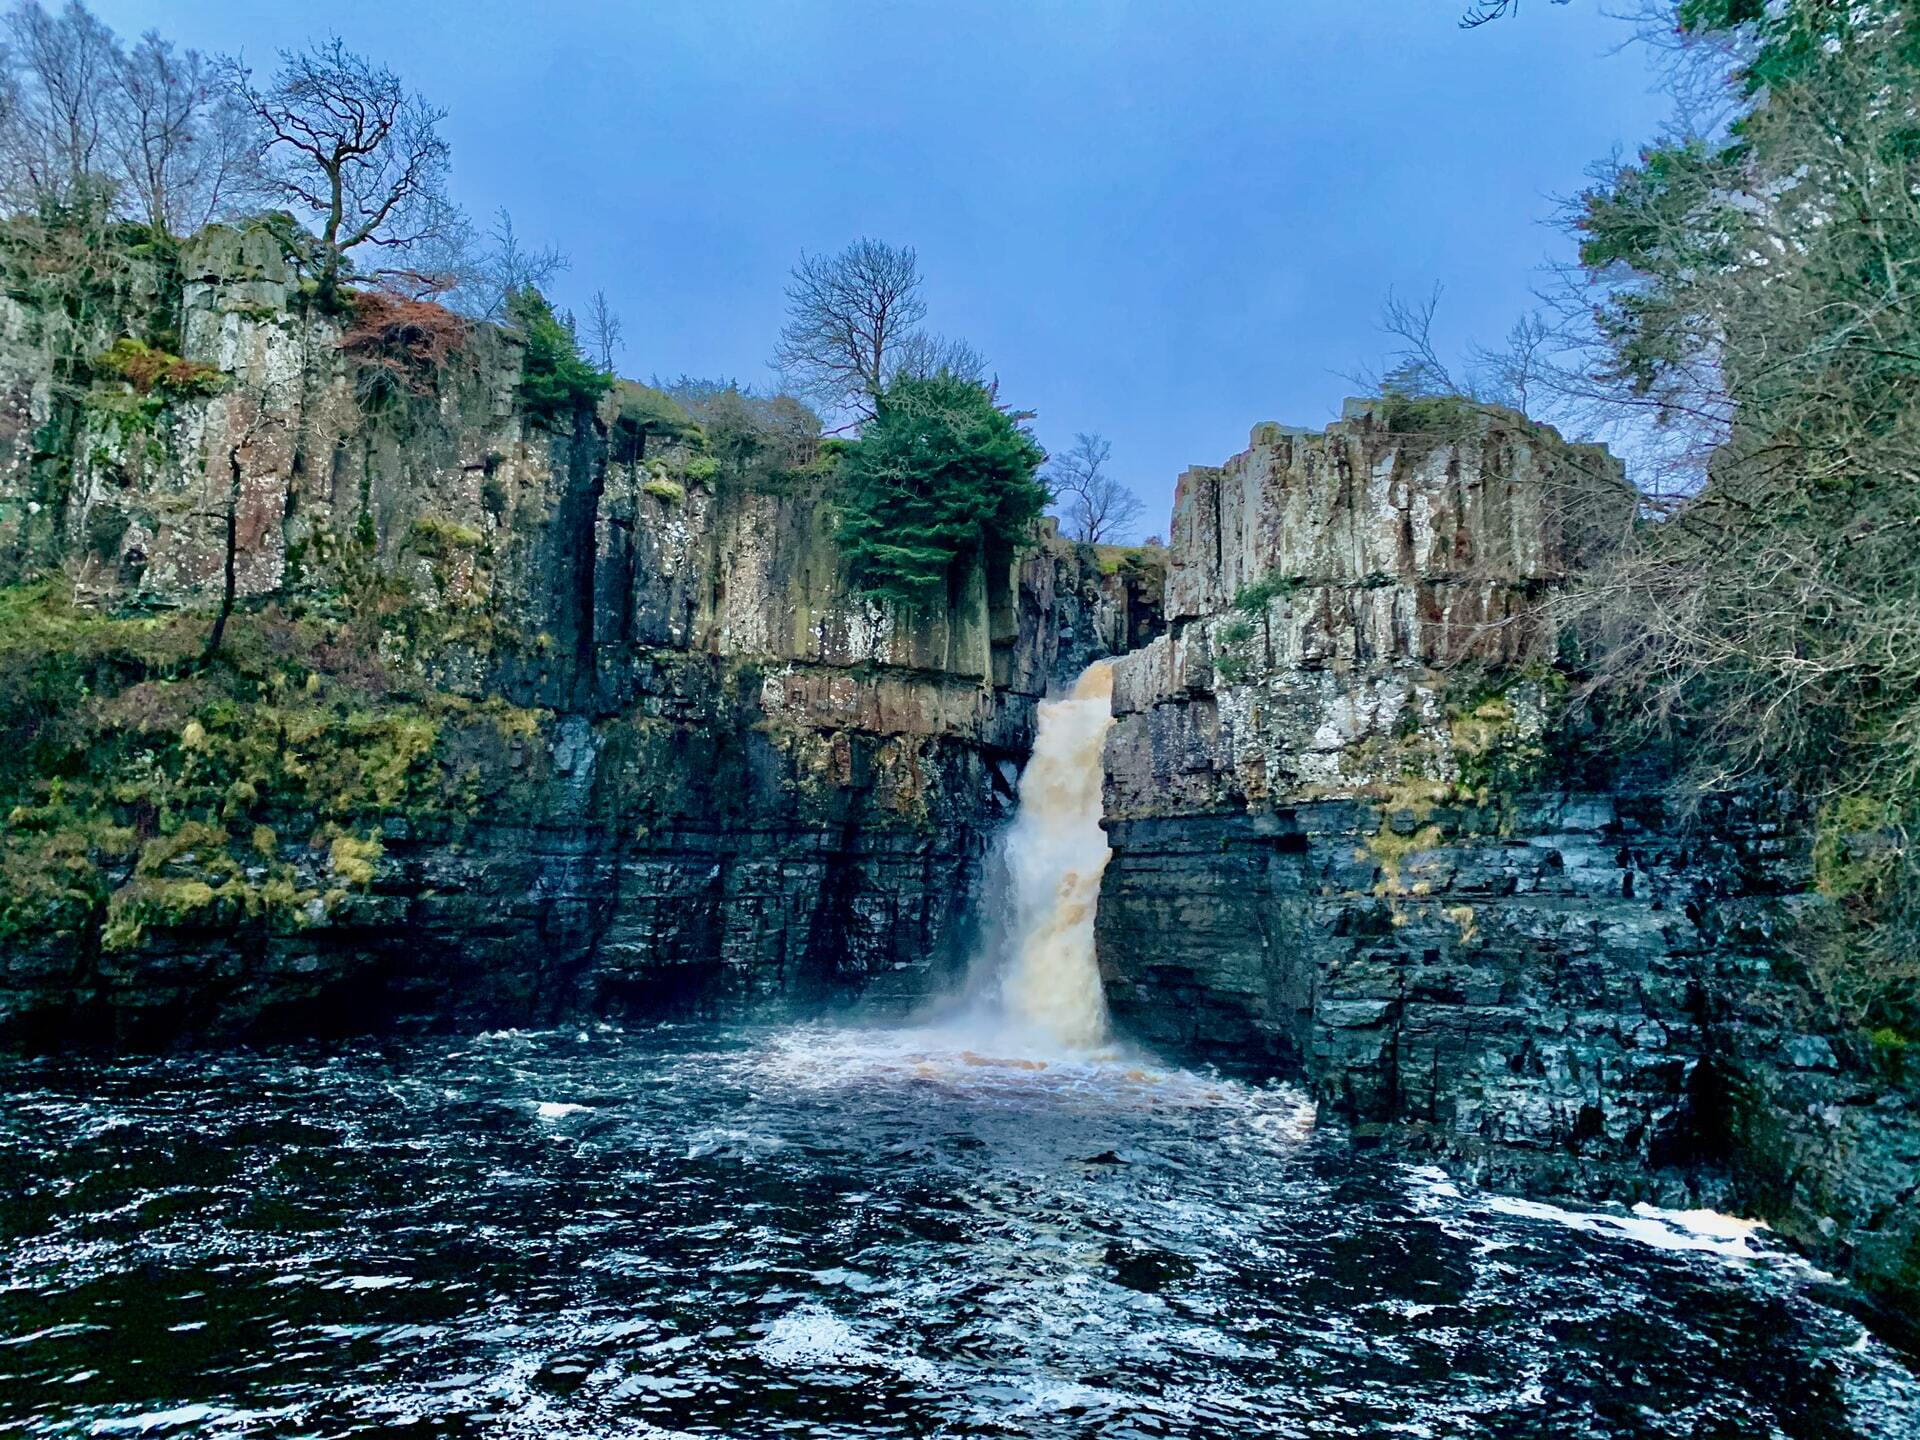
(1482, 12)
(1094, 507)
(603, 330)
(923, 353)
(60, 98)
(1417, 367)
(486, 281)
(848, 317)
(1517, 374)
(182, 143)
(349, 145)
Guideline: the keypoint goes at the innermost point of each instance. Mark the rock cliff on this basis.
(1355, 840)
(509, 722)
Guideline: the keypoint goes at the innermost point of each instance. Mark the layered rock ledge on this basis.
(514, 718)
(1355, 843)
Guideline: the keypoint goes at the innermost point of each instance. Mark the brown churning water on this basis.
(1055, 854)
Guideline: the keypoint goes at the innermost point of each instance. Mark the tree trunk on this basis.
(233, 544)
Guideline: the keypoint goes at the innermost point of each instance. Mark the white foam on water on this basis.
(733, 1143)
(811, 1337)
(558, 1109)
(1705, 1232)
(201, 1419)
(979, 1062)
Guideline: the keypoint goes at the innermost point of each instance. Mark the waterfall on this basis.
(1055, 852)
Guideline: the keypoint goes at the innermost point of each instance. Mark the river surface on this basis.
(824, 1232)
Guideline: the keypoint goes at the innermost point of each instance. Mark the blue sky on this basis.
(1160, 221)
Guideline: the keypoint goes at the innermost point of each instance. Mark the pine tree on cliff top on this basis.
(939, 476)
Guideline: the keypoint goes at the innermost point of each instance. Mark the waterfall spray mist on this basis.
(1055, 854)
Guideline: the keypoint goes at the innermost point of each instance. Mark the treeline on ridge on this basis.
(108, 148)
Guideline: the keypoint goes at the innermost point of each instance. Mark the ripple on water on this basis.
(822, 1231)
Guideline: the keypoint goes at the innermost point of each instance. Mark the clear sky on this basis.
(1162, 222)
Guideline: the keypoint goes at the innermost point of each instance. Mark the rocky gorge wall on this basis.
(513, 719)
(1355, 841)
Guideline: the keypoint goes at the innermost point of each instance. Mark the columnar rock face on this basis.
(692, 771)
(1352, 844)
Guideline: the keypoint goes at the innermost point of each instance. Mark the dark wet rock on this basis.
(1352, 844)
(722, 783)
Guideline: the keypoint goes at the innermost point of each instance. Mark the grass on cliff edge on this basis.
(141, 784)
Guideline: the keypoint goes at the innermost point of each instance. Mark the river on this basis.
(999, 1222)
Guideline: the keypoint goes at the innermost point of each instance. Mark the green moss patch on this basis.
(146, 787)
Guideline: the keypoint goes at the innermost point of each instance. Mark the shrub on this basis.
(400, 344)
(661, 488)
(1443, 417)
(1254, 597)
(762, 443)
(437, 538)
(556, 383)
(1231, 663)
(642, 412)
(940, 475)
(1126, 559)
(153, 371)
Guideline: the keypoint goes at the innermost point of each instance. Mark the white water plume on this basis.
(1055, 853)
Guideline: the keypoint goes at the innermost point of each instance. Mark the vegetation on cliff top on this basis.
(1764, 305)
(939, 476)
(556, 382)
(1757, 332)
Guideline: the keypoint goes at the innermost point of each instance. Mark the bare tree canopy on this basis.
(603, 330)
(1484, 11)
(59, 96)
(184, 142)
(350, 146)
(480, 283)
(1094, 507)
(152, 133)
(1517, 374)
(923, 354)
(848, 317)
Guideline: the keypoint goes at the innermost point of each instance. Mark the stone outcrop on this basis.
(720, 782)
(1354, 842)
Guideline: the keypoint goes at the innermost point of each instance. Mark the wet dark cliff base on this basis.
(1579, 1000)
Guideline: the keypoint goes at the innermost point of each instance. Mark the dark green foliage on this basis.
(1762, 300)
(556, 382)
(1254, 597)
(939, 476)
(1794, 38)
